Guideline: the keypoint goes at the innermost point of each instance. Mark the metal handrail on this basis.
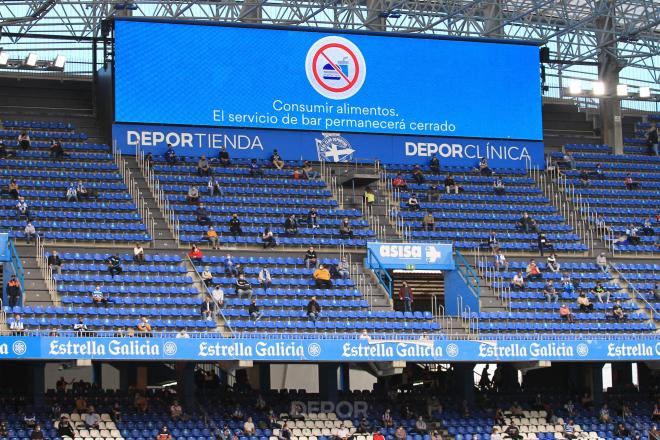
(218, 308)
(636, 294)
(381, 272)
(46, 271)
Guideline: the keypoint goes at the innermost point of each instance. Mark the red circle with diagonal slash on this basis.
(351, 83)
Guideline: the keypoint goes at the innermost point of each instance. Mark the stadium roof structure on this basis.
(576, 31)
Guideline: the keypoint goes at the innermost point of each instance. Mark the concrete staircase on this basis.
(35, 288)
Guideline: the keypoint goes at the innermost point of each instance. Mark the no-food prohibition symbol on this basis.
(335, 67)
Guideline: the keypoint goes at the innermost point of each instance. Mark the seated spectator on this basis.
(98, 297)
(343, 268)
(308, 171)
(601, 262)
(203, 167)
(83, 192)
(13, 189)
(313, 218)
(291, 225)
(322, 278)
(164, 434)
(213, 186)
(343, 433)
(64, 428)
(276, 160)
(170, 155)
(621, 431)
(264, 277)
(604, 414)
(533, 271)
(567, 161)
(223, 157)
(492, 243)
(617, 312)
(30, 232)
(630, 183)
(24, 140)
(647, 228)
(37, 433)
(243, 287)
(202, 215)
(451, 185)
(565, 313)
(17, 326)
(569, 428)
(567, 283)
(230, 266)
(212, 237)
(518, 283)
(598, 291)
(114, 265)
(433, 194)
(297, 174)
(248, 427)
(235, 225)
(400, 433)
(207, 276)
(553, 264)
(72, 194)
(597, 172)
(500, 260)
(428, 222)
(56, 149)
(268, 238)
(55, 262)
(193, 195)
(195, 254)
(80, 326)
(207, 308)
(525, 223)
(345, 230)
(364, 426)
(218, 295)
(253, 310)
(92, 418)
(144, 327)
(22, 210)
(483, 168)
(255, 169)
(549, 292)
(399, 182)
(513, 432)
(138, 253)
(418, 175)
(654, 433)
(584, 303)
(584, 178)
(310, 258)
(413, 203)
(498, 187)
(420, 426)
(387, 419)
(494, 434)
(313, 309)
(434, 165)
(3, 153)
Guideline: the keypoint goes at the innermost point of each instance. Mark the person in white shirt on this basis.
(518, 283)
(343, 433)
(98, 297)
(344, 268)
(553, 264)
(91, 419)
(601, 262)
(72, 194)
(30, 232)
(182, 334)
(248, 427)
(16, 324)
(495, 434)
(264, 278)
(500, 261)
(138, 253)
(364, 334)
(207, 276)
(218, 295)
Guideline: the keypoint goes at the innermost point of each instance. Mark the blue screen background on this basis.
(173, 73)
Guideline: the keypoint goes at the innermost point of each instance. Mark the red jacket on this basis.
(401, 296)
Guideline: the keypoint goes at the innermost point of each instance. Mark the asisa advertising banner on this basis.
(432, 256)
(326, 146)
(305, 79)
(336, 349)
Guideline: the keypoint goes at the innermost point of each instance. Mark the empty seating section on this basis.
(259, 201)
(467, 218)
(283, 305)
(610, 199)
(530, 311)
(159, 289)
(643, 279)
(106, 213)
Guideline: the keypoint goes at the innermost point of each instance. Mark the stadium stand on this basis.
(99, 208)
(467, 217)
(621, 192)
(251, 197)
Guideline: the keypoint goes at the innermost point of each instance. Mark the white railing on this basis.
(333, 183)
(158, 194)
(206, 293)
(46, 271)
(136, 193)
(635, 294)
